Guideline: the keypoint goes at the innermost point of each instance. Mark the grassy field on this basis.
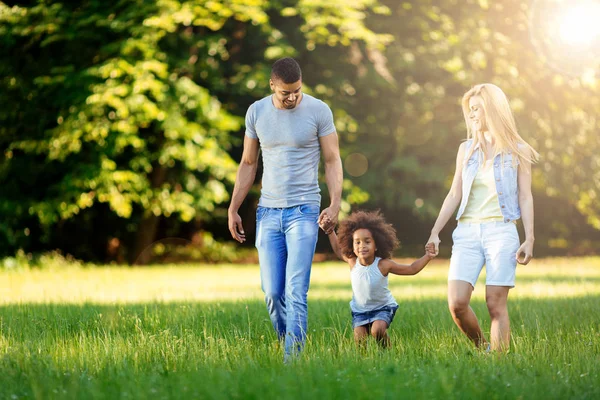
(203, 332)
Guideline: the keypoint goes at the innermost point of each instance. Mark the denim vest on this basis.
(505, 175)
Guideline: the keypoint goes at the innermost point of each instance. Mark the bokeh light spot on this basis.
(356, 164)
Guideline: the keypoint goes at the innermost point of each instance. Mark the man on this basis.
(291, 129)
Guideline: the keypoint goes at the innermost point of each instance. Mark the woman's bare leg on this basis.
(459, 297)
(496, 298)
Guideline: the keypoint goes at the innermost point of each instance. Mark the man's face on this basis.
(287, 95)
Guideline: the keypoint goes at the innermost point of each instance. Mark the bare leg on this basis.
(496, 298)
(360, 335)
(379, 332)
(459, 297)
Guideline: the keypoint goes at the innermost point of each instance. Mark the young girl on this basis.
(366, 243)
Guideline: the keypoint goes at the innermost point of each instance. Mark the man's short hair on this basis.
(286, 70)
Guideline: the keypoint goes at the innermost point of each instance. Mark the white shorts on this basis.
(494, 244)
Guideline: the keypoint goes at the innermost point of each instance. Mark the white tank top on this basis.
(369, 288)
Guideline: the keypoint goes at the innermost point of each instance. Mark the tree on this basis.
(115, 116)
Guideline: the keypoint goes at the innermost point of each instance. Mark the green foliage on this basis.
(52, 260)
(125, 120)
(131, 105)
(410, 125)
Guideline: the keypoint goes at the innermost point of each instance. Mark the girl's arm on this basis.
(333, 240)
(388, 266)
(451, 201)
(526, 205)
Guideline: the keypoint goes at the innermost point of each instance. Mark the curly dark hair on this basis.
(383, 233)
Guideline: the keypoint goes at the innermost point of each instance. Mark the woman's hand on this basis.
(435, 240)
(527, 250)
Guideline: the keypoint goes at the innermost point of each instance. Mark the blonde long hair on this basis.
(500, 122)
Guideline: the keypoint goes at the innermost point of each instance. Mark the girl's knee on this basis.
(360, 332)
(379, 330)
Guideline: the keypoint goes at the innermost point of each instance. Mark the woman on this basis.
(492, 188)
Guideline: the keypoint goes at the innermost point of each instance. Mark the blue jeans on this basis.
(286, 240)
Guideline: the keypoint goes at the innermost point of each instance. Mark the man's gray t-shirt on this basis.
(289, 142)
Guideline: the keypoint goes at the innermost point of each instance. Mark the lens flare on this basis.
(566, 34)
(579, 26)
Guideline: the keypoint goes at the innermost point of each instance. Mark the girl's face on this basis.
(364, 246)
(476, 114)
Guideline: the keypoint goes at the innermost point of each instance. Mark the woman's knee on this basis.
(496, 304)
(458, 306)
(496, 308)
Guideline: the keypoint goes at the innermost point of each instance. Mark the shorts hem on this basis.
(462, 280)
(508, 284)
(369, 322)
(385, 314)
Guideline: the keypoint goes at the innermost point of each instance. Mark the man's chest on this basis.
(285, 131)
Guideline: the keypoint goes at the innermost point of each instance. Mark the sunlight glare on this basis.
(579, 26)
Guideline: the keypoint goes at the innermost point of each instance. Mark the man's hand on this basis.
(235, 226)
(527, 250)
(326, 225)
(328, 219)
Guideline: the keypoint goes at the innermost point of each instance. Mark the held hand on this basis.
(430, 250)
(235, 227)
(527, 250)
(326, 225)
(435, 241)
(328, 219)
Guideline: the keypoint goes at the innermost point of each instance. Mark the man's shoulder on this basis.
(260, 105)
(314, 102)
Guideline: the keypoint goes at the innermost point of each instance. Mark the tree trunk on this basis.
(149, 225)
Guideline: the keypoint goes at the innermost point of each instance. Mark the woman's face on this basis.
(364, 246)
(476, 114)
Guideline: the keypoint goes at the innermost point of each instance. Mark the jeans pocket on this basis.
(309, 209)
(261, 212)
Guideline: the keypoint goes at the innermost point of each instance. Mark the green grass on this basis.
(203, 332)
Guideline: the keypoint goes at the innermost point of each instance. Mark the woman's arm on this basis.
(451, 201)
(526, 205)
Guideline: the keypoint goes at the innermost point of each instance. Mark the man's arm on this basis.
(333, 177)
(243, 182)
